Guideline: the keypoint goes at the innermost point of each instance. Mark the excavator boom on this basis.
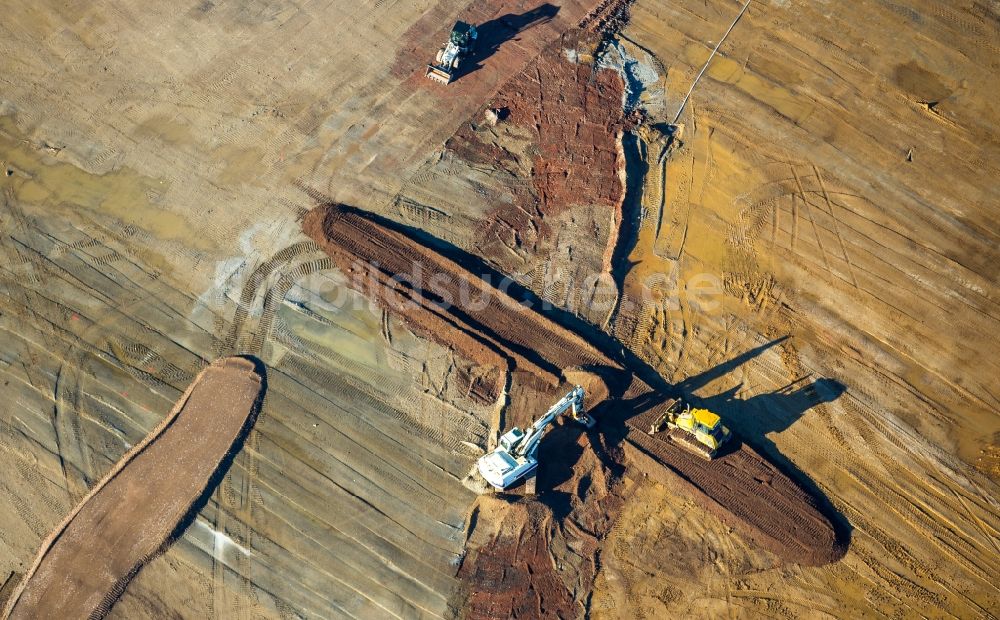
(515, 456)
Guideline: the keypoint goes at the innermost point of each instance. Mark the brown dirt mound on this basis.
(608, 16)
(408, 278)
(743, 489)
(592, 383)
(511, 570)
(128, 517)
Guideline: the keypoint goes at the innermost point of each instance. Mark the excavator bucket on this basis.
(439, 74)
(585, 419)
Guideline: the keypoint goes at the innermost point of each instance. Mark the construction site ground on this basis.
(814, 259)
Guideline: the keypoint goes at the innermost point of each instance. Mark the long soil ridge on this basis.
(390, 258)
(751, 492)
(128, 517)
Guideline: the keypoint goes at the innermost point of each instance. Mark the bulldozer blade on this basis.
(439, 74)
(669, 408)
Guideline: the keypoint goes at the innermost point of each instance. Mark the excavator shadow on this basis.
(752, 419)
(497, 31)
(755, 419)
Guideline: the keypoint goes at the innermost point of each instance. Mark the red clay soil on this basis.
(573, 112)
(512, 574)
(136, 509)
(511, 33)
(742, 486)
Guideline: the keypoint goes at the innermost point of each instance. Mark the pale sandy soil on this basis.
(794, 189)
(156, 160)
(132, 513)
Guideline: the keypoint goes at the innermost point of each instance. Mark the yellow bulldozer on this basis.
(698, 430)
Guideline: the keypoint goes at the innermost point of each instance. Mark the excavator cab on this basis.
(516, 454)
(511, 438)
(463, 36)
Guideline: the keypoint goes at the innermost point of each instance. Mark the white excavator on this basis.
(516, 455)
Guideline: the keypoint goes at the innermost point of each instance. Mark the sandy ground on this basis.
(794, 189)
(836, 185)
(130, 515)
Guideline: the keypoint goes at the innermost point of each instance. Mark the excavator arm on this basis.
(514, 457)
(571, 401)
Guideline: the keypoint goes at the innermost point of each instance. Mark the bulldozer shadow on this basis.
(753, 420)
(495, 32)
(757, 418)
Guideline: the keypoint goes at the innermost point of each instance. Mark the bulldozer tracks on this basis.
(252, 289)
(836, 225)
(242, 500)
(812, 220)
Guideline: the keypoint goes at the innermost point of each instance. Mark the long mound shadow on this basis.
(754, 419)
(495, 32)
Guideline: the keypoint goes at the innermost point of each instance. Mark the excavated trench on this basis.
(636, 169)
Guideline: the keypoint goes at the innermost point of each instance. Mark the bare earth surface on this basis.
(815, 259)
(411, 280)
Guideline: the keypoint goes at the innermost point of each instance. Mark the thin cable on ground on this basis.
(710, 57)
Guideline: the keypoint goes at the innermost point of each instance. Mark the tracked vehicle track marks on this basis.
(807, 537)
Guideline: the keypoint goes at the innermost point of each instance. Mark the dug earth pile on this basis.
(842, 193)
(129, 516)
(520, 580)
(409, 278)
(432, 291)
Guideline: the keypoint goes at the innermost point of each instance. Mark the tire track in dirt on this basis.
(238, 496)
(751, 231)
(22, 257)
(903, 503)
(252, 288)
(261, 296)
(74, 456)
(836, 224)
(812, 220)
